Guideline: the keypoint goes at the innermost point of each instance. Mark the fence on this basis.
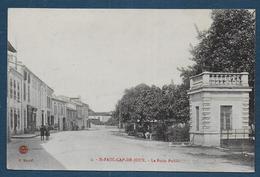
(236, 137)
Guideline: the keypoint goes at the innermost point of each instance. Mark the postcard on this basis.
(161, 90)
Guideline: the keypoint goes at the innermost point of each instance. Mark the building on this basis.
(86, 121)
(219, 108)
(76, 113)
(50, 116)
(59, 113)
(31, 103)
(36, 102)
(15, 119)
(101, 116)
(34, 95)
(82, 113)
(71, 112)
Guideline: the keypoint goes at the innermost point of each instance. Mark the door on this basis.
(42, 118)
(63, 123)
(15, 122)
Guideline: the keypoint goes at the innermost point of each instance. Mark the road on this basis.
(102, 148)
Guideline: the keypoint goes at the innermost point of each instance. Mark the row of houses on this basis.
(32, 103)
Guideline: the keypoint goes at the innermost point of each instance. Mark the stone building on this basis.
(34, 95)
(36, 105)
(219, 108)
(15, 119)
(82, 112)
(59, 113)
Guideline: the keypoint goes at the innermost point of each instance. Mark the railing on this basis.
(237, 139)
(217, 79)
(235, 134)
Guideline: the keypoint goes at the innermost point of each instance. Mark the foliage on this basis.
(178, 133)
(111, 122)
(147, 106)
(227, 46)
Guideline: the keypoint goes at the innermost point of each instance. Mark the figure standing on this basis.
(42, 133)
(47, 132)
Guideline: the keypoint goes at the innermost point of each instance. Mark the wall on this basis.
(209, 103)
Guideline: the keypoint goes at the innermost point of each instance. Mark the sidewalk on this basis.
(25, 136)
(30, 135)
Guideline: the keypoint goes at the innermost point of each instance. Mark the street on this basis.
(108, 149)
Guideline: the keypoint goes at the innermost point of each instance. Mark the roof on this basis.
(10, 47)
(54, 97)
(26, 68)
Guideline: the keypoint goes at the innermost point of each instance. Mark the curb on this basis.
(24, 137)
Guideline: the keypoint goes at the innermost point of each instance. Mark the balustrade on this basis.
(217, 79)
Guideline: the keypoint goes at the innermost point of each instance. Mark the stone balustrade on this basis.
(219, 79)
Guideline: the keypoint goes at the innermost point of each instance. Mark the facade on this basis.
(79, 122)
(49, 112)
(59, 113)
(14, 97)
(71, 112)
(75, 114)
(14, 102)
(219, 108)
(34, 96)
(86, 121)
(31, 103)
(36, 102)
(82, 113)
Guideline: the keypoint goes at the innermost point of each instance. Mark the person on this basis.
(47, 133)
(42, 133)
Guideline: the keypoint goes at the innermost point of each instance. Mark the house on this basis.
(82, 112)
(76, 113)
(219, 108)
(34, 95)
(59, 116)
(14, 97)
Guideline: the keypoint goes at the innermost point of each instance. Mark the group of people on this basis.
(45, 131)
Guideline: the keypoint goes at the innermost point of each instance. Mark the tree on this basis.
(227, 46)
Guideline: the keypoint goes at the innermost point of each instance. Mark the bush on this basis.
(178, 133)
(159, 132)
(129, 128)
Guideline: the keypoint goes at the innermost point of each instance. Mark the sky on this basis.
(98, 53)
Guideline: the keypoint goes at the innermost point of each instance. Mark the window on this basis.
(11, 117)
(11, 88)
(18, 92)
(18, 119)
(197, 118)
(28, 93)
(29, 79)
(61, 109)
(24, 118)
(24, 91)
(55, 109)
(48, 102)
(226, 117)
(14, 90)
(25, 75)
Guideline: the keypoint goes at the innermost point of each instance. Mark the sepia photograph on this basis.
(161, 90)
